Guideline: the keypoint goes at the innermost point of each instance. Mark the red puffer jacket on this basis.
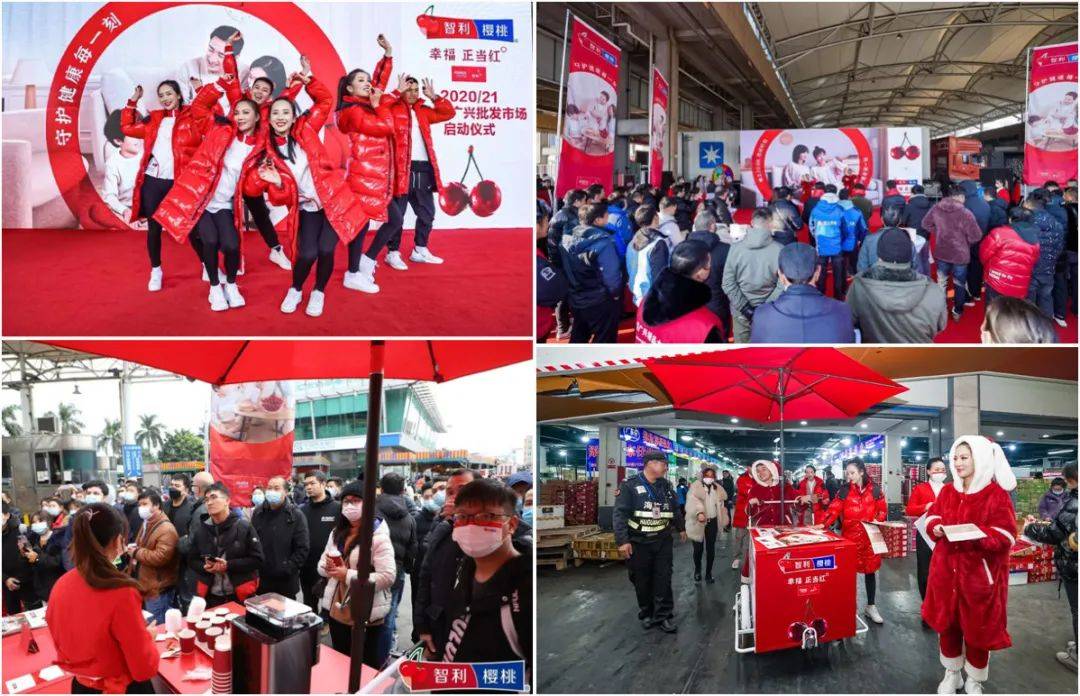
(854, 506)
(425, 116)
(1008, 260)
(817, 509)
(369, 130)
(194, 187)
(341, 205)
(742, 488)
(234, 93)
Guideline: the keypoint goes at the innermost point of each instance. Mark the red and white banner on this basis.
(588, 139)
(1050, 131)
(251, 435)
(657, 127)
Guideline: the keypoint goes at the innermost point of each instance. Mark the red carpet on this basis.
(93, 283)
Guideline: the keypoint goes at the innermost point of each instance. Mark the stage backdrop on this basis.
(657, 127)
(1050, 134)
(251, 435)
(587, 155)
(87, 58)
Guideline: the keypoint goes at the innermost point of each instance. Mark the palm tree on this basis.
(69, 419)
(111, 438)
(150, 433)
(11, 423)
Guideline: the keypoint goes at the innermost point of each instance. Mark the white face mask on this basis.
(145, 512)
(478, 541)
(708, 481)
(53, 510)
(352, 511)
(39, 527)
(937, 478)
(91, 498)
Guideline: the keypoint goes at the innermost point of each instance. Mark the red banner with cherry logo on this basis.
(657, 127)
(587, 154)
(1050, 130)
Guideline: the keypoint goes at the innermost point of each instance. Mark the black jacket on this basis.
(285, 544)
(684, 213)
(672, 296)
(320, 519)
(592, 266)
(48, 568)
(894, 201)
(130, 511)
(180, 516)
(562, 222)
(634, 496)
(788, 214)
(916, 209)
(808, 207)
(718, 252)
(728, 484)
(1071, 229)
(402, 529)
(425, 521)
(999, 213)
(234, 540)
(14, 564)
(1060, 533)
(978, 206)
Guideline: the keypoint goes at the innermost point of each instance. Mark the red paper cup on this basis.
(187, 641)
(212, 634)
(200, 630)
(230, 616)
(221, 611)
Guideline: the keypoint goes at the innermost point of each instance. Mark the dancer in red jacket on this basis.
(811, 497)
(968, 591)
(208, 192)
(364, 116)
(861, 500)
(298, 174)
(170, 137)
(920, 502)
(416, 171)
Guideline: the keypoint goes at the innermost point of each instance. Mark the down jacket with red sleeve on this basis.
(370, 132)
(442, 110)
(969, 580)
(234, 94)
(743, 483)
(341, 205)
(853, 506)
(100, 635)
(818, 508)
(953, 229)
(194, 187)
(922, 495)
(1008, 255)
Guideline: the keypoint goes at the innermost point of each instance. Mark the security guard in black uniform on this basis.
(645, 511)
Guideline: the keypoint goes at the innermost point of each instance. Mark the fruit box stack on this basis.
(581, 502)
(553, 492)
(897, 539)
(1036, 559)
(912, 533)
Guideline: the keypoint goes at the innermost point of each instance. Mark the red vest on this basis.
(689, 328)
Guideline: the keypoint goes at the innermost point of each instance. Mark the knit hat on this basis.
(353, 488)
(894, 246)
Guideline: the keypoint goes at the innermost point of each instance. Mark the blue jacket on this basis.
(1057, 210)
(655, 256)
(592, 266)
(1051, 242)
(619, 224)
(852, 226)
(974, 201)
(803, 315)
(825, 225)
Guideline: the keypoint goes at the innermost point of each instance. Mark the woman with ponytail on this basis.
(108, 649)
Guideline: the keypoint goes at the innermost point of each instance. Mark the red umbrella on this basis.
(224, 362)
(771, 384)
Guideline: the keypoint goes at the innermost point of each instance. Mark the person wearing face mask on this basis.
(392, 507)
(861, 500)
(338, 564)
(706, 514)
(283, 529)
(334, 486)
(94, 492)
(811, 496)
(45, 560)
(645, 515)
(128, 505)
(16, 572)
(225, 552)
(57, 513)
(967, 593)
(258, 497)
(322, 513)
(153, 556)
(426, 517)
(675, 309)
(108, 649)
(921, 500)
(490, 605)
(1053, 500)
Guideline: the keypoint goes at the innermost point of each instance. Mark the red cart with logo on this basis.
(801, 592)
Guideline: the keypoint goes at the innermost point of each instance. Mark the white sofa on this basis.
(31, 196)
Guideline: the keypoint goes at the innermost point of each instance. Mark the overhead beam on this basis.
(862, 71)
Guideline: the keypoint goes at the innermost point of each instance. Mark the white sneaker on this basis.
(735, 563)
(364, 279)
(874, 614)
(291, 301)
(233, 296)
(393, 260)
(205, 277)
(745, 579)
(278, 257)
(951, 682)
(218, 303)
(972, 687)
(315, 304)
(422, 255)
(155, 279)
(1060, 322)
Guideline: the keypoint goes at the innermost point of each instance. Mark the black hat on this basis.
(894, 246)
(353, 488)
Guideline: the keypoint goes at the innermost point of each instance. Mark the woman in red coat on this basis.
(967, 593)
(811, 496)
(861, 500)
(208, 192)
(170, 137)
(739, 519)
(298, 174)
(364, 116)
(108, 649)
(922, 498)
(763, 502)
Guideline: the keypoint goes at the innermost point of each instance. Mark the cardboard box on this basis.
(550, 517)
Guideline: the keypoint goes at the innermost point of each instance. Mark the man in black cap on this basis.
(891, 302)
(646, 512)
(801, 314)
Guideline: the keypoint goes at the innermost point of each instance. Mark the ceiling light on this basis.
(1045, 436)
(903, 442)
(1012, 447)
(775, 440)
(1067, 450)
(734, 420)
(1001, 433)
(918, 457)
(584, 438)
(562, 453)
(802, 422)
(864, 426)
(914, 427)
(847, 440)
(686, 438)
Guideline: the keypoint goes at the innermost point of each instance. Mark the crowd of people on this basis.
(192, 167)
(461, 542)
(963, 584)
(677, 263)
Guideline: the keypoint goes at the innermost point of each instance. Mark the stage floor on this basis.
(93, 283)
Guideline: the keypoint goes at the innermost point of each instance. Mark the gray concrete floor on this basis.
(590, 640)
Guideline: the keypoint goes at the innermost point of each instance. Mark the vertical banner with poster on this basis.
(251, 435)
(587, 154)
(903, 159)
(1050, 132)
(657, 127)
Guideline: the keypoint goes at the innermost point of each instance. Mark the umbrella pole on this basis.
(782, 457)
(362, 590)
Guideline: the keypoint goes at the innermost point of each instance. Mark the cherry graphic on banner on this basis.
(913, 152)
(454, 198)
(905, 149)
(484, 199)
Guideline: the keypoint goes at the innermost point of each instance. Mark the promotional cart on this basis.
(801, 592)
